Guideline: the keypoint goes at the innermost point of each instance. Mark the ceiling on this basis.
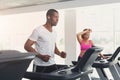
(9, 4)
(23, 6)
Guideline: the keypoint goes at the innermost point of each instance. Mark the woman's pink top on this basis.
(85, 46)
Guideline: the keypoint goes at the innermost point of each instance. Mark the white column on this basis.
(70, 35)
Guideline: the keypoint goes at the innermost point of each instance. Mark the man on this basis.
(44, 39)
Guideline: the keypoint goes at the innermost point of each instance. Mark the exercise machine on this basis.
(81, 70)
(13, 64)
(111, 63)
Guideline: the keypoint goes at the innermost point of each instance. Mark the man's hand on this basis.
(63, 54)
(44, 57)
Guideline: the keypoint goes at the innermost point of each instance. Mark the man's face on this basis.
(54, 19)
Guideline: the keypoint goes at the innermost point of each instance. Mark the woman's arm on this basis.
(79, 36)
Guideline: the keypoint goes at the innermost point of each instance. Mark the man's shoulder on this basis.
(39, 28)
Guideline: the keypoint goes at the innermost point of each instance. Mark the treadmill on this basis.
(13, 64)
(81, 70)
(111, 63)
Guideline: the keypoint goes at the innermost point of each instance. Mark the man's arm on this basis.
(61, 54)
(29, 48)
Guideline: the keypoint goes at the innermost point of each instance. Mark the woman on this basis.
(85, 43)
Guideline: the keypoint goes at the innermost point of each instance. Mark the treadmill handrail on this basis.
(87, 60)
(115, 54)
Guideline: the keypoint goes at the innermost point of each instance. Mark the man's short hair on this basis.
(50, 12)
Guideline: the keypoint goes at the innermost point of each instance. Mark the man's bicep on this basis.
(30, 42)
(28, 46)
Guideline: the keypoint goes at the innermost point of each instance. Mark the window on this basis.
(104, 21)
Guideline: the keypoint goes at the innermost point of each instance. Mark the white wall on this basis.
(70, 35)
(16, 28)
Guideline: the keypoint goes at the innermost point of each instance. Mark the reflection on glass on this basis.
(105, 40)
